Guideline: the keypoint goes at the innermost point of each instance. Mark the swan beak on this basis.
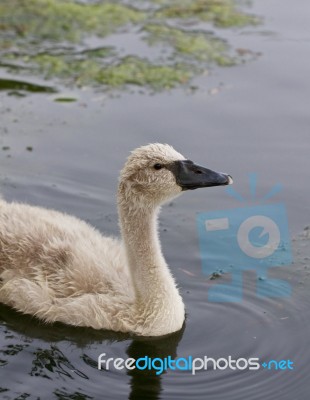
(192, 176)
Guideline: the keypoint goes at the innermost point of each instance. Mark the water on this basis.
(251, 118)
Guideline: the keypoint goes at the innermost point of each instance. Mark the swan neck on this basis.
(149, 271)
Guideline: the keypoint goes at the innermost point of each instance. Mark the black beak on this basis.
(192, 176)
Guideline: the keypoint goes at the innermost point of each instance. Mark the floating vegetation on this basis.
(199, 45)
(222, 13)
(54, 39)
(132, 70)
(65, 99)
(126, 71)
(61, 20)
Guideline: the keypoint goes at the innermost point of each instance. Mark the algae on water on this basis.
(64, 20)
(67, 41)
(126, 71)
(222, 13)
(197, 45)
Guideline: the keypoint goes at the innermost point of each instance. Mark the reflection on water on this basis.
(51, 362)
(146, 384)
(54, 361)
(12, 85)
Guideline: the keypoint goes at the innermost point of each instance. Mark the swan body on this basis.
(59, 268)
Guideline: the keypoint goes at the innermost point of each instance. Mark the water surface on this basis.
(250, 118)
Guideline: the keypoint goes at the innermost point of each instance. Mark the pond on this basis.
(231, 93)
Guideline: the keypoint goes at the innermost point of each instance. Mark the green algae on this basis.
(61, 20)
(136, 71)
(223, 13)
(198, 45)
(65, 99)
(50, 38)
(126, 71)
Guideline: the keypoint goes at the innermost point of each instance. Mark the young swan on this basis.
(59, 268)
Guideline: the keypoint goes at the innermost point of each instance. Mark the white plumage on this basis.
(59, 268)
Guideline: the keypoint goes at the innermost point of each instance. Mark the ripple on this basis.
(267, 328)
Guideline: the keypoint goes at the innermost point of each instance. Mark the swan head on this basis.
(156, 173)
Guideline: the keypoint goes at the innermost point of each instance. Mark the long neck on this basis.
(150, 274)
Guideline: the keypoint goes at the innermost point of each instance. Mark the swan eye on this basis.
(157, 166)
